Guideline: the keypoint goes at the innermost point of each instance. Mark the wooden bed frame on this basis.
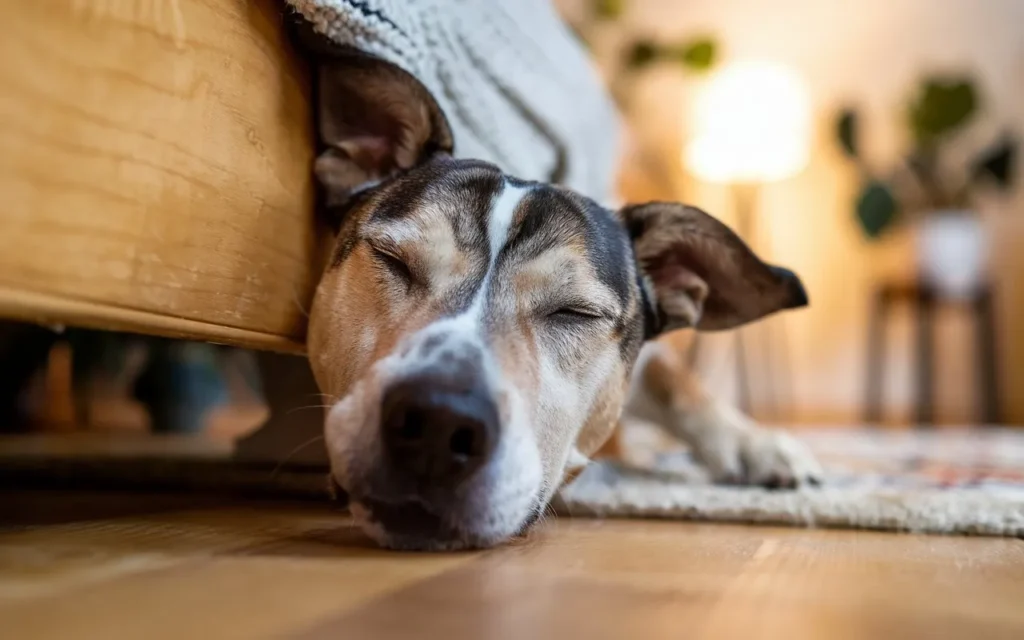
(155, 169)
(155, 175)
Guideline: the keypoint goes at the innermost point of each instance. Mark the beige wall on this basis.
(869, 52)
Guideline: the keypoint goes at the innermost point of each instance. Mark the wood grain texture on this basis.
(55, 310)
(269, 571)
(86, 444)
(155, 162)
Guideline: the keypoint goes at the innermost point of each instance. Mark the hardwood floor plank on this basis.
(242, 570)
(226, 573)
(671, 580)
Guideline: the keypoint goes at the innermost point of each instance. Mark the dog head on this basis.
(476, 332)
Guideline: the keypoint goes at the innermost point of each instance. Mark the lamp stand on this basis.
(745, 199)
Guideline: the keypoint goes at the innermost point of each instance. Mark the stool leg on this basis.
(875, 369)
(742, 374)
(988, 376)
(785, 371)
(925, 410)
(769, 373)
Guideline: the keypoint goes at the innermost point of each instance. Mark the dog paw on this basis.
(777, 460)
(746, 454)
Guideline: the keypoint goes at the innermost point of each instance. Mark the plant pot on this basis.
(952, 252)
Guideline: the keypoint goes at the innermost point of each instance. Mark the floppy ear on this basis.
(701, 274)
(375, 119)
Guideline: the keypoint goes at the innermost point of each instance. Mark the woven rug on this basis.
(962, 481)
(945, 481)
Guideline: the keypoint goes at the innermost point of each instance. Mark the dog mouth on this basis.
(402, 499)
(413, 525)
(410, 525)
(409, 518)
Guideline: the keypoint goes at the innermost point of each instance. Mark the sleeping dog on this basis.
(477, 333)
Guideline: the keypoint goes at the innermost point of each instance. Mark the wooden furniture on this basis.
(155, 175)
(155, 169)
(925, 302)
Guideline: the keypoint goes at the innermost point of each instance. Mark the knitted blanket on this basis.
(517, 88)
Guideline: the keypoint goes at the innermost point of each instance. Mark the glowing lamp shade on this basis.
(752, 124)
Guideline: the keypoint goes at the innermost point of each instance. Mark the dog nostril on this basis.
(437, 435)
(412, 427)
(461, 442)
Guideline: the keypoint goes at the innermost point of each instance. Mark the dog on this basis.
(477, 334)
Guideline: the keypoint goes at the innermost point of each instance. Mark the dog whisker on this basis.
(307, 407)
(325, 396)
(294, 451)
(546, 510)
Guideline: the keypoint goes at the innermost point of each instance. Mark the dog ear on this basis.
(375, 119)
(700, 274)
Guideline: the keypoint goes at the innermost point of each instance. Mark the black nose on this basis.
(438, 434)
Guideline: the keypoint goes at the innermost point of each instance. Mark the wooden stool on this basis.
(925, 301)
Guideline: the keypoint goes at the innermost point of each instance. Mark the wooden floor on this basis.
(122, 566)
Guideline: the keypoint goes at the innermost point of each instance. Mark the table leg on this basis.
(988, 375)
(875, 369)
(924, 405)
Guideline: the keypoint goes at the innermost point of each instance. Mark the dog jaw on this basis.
(493, 505)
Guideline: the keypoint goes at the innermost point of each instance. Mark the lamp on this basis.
(751, 126)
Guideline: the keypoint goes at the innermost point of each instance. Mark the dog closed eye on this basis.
(394, 264)
(574, 315)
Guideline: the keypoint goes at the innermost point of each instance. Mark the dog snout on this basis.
(436, 433)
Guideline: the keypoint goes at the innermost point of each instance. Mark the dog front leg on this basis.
(733, 447)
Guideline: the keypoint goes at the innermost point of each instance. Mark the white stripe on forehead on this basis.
(465, 328)
(503, 209)
(499, 224)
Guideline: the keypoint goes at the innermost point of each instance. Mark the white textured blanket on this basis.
(517, 88)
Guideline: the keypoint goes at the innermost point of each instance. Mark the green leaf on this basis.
(941, 106)
(608, 9)
(998, 163)
(847, 132)
(642, 54)
(699, 55)
(876, 208)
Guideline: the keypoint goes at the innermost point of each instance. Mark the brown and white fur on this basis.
(477, 333)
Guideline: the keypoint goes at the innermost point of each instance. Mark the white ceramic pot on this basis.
(952, 252)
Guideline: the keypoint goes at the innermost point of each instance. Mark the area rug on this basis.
(954, 481)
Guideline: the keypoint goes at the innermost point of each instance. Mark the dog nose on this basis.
(438, 434)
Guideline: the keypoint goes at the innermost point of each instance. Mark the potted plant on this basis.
(951, 240)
